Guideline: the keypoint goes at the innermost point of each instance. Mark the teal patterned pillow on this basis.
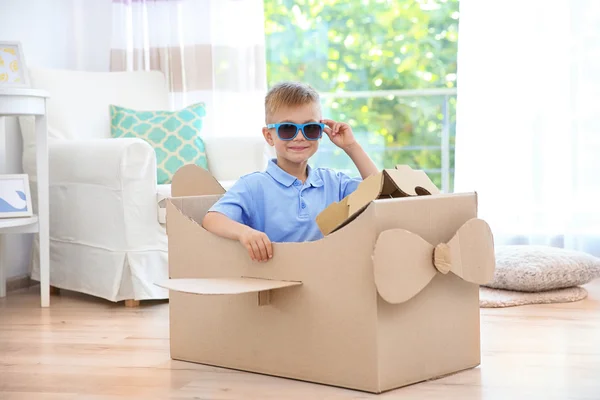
(174, 135)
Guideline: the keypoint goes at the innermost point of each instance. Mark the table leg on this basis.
(2, 239)
(2, 267)
(43, 207)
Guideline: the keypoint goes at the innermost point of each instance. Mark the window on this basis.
(386, 67)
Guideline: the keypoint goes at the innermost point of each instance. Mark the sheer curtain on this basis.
(211, 51)
(528, 120)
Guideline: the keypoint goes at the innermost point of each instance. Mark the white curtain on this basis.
(528, 119)
(211, 51)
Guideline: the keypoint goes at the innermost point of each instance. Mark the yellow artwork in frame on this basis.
(13, 70)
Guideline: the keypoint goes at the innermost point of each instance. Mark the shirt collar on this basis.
(313, 178)
(288, 180)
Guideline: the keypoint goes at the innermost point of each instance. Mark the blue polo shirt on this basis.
(278, 204)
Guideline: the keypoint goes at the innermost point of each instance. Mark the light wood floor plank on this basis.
(88, 349)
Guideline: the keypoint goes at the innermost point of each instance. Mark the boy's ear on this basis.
(268, 136)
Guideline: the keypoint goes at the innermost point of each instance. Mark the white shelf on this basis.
(16, 91)
(19, 225)
(28, 101)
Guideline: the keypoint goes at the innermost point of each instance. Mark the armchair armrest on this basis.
(103, 193)
(105, 162)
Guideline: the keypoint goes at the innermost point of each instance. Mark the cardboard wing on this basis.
(404, 263)
(223, 286)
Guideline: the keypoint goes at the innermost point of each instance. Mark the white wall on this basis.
(63, 34)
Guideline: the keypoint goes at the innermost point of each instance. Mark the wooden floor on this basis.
(84, 348)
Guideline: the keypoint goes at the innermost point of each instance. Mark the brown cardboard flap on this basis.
(404, 263)
(223, 286)
(412, 182)
(193, 180)
(336, 212)
(368, 190)
(390, 183)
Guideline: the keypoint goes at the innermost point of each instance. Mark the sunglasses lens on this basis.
(286, 131)
(312, 131)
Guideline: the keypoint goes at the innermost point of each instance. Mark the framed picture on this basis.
(15, 199)
(13, 70)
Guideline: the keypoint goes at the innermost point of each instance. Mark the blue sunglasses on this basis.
(289, 130)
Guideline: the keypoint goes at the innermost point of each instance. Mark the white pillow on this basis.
(529, 268)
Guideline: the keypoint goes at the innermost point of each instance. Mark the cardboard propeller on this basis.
(405, 263)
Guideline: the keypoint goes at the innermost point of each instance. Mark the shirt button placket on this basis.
(303, 211)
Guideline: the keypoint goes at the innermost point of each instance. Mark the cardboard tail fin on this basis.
(412, 182)
(404, 263)
(228, 286)
(193, 180)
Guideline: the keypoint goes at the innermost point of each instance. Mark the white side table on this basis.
(23, 102)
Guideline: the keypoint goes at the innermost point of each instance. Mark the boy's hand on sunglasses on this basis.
(340, 133)
(257, 243)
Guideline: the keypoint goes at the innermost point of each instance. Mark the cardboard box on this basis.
(387, 300)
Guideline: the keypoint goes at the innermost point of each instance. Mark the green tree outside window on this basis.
(351, 47)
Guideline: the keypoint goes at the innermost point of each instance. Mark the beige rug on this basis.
(495, 298)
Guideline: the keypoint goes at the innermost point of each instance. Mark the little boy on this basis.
(282, 203)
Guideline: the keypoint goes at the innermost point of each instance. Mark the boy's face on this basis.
(299, 150)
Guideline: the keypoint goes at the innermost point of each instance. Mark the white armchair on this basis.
(107, 238)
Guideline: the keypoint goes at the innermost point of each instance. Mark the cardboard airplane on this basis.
(389, 297)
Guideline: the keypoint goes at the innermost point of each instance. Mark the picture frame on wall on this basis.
(13, 69)
(15, 197)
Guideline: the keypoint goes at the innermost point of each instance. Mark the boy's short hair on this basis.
(288, 93)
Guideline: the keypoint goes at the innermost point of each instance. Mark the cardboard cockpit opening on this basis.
(402, 181)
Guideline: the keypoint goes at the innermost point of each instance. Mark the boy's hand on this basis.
(257, 243)
(339, 133)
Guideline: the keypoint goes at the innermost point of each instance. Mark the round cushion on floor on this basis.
(529, 268)
(497, 298)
